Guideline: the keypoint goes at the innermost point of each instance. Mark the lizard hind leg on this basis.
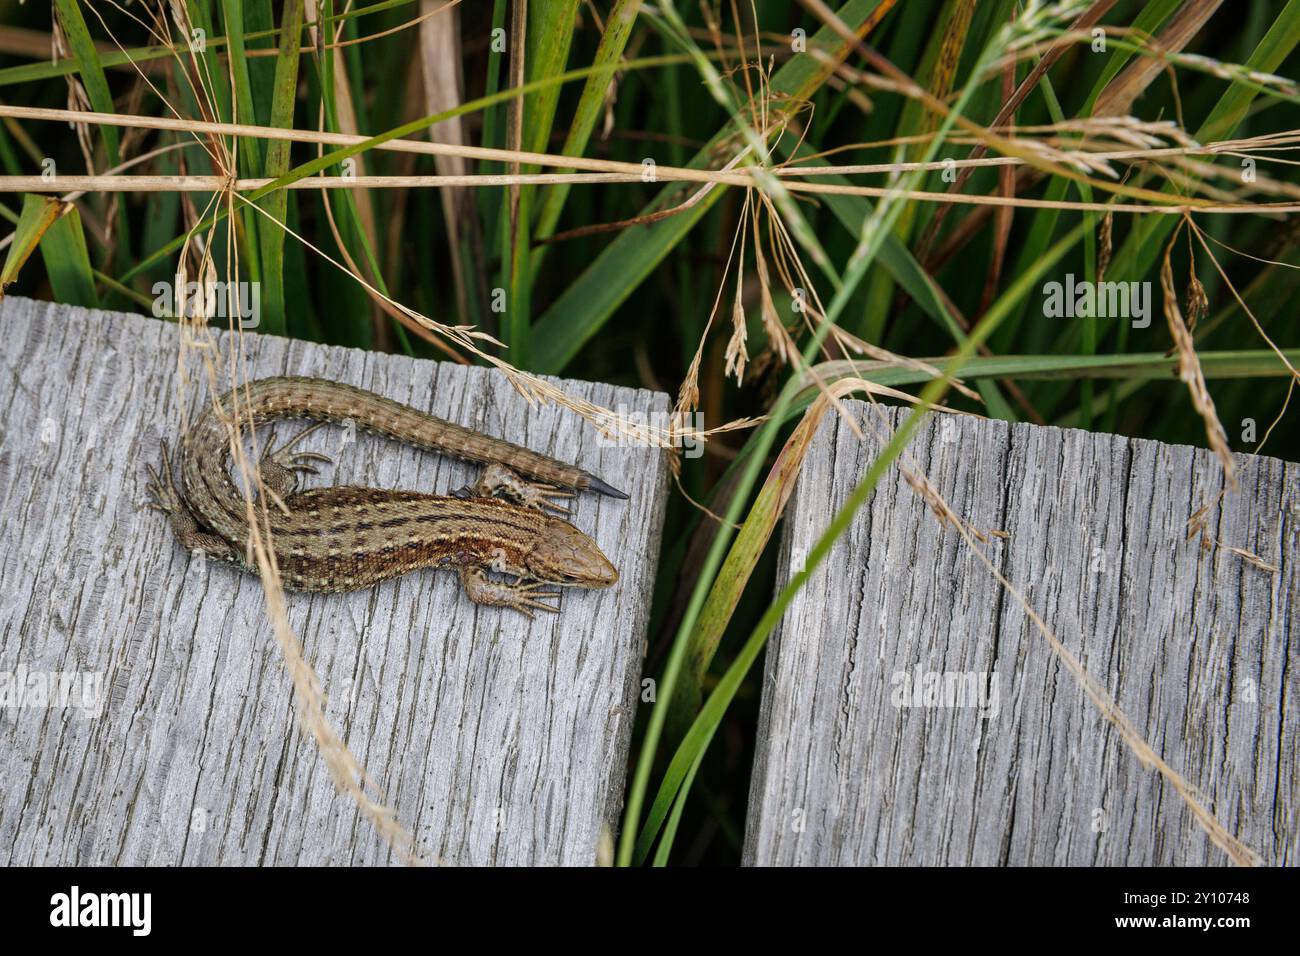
(280, 467)
(523, 597)
(498, 480)
(193, 537)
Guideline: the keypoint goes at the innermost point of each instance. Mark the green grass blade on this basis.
(63, 247)
(271, 240)
(101, 99)
(35, 72)
(489, 200)
(88, 65)
(38, 214)
(250, 148)
(591, 104)
(550, 34)
(675, 818)
(1155, 366)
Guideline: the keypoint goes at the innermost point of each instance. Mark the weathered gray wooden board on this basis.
(1198, 648)
(495, 739)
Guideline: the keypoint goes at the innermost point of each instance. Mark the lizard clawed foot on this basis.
(167, 499)
(280, 466)
(162, 488)
(521, 596)
(498, 480)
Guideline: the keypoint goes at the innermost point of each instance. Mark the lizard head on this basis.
(564, 555)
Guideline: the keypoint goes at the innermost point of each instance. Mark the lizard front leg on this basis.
(522, 597)
(498, 480)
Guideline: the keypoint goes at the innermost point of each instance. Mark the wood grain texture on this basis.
(1199, 649)
(496, 740)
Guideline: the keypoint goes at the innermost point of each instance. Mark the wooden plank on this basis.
(1197, 647)
(495, 740)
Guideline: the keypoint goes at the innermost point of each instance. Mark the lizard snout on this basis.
(565, 555)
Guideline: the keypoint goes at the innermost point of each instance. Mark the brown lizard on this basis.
(344, 538)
